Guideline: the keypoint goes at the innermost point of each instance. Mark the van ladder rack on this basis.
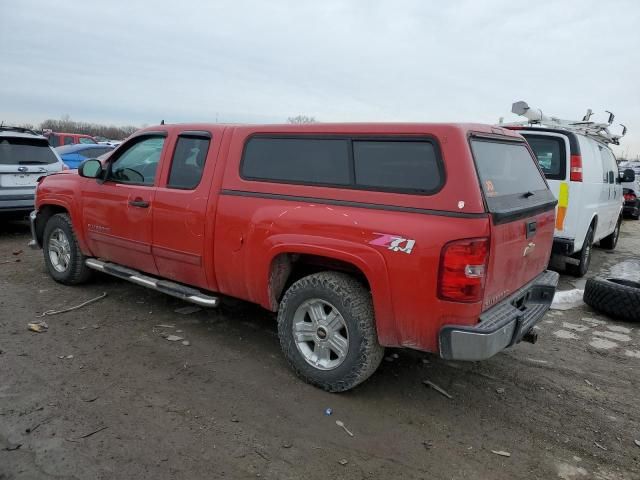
(598, 131)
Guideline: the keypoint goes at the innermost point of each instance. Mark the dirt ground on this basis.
(103, 395)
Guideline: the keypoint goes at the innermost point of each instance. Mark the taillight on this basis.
(463, 265)
(575, 174)
(65, 167)
(630, 197)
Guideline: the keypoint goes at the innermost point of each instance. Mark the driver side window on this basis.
(139, 163)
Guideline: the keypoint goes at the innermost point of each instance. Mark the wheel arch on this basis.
(288, 262)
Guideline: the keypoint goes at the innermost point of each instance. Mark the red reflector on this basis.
(463, 266)
(575, 174)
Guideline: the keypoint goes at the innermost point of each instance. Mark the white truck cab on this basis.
(583, 175)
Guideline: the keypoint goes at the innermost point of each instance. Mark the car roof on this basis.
(78, 147)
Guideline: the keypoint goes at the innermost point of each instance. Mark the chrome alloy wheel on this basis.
(320, 333)
(59, 250)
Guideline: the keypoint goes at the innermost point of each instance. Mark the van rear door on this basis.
(522, 212)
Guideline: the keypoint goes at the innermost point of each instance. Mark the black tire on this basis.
(353, 302)
(619, 298)
(76, 271)
(610, 241)
(584, 256)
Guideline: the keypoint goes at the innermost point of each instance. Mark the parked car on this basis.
(74, 155)
(583, 175)
(631, 193)
(59, 139)
(434, 237)
(25, 156)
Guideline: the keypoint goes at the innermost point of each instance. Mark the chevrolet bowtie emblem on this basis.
(528, 249)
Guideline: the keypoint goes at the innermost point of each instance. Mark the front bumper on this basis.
(503, 325)
(34, 243)
(563, 246)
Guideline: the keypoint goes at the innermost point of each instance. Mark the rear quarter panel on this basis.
(255, 223)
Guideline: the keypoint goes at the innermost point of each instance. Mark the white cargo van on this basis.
(583, 175)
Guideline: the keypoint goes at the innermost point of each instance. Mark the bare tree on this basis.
(65, 124)
(301, 119)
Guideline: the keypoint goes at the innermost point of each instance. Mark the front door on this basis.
(180, 212)
(117, 214)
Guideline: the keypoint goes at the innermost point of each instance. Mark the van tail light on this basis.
(463, 267)
(575, 174)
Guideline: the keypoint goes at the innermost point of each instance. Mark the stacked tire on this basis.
(617, 297)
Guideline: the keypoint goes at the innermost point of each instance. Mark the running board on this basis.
(177, 290)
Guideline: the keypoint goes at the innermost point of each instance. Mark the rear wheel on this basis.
(62, 255)
(327, 331)
(610, 241)
(584, 256)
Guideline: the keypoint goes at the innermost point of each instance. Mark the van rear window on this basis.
(506, 168)
(551, 155)
(25, 151)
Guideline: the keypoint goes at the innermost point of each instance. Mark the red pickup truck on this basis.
(434, 237)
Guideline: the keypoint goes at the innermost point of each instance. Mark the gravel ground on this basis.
(103, 395)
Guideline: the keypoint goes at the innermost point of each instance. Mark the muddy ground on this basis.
(102, 395)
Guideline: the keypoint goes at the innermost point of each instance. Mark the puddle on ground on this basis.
(618, 328)
(602, 344)
(566, 335)
(575, 327)
(570, 472)
(629, 269)
(619, 337)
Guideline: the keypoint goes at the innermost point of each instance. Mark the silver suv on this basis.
(25, 156)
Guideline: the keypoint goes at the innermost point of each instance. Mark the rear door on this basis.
(181, 203)
(552, 150)
(522, 214)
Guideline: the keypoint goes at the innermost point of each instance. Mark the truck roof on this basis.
(370, 127)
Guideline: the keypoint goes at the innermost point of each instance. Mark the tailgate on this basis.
(522, 214)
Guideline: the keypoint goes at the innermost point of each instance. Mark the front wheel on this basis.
(584, 256)
(62, 255)
(327, 331)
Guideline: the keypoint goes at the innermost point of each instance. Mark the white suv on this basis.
(25, 156)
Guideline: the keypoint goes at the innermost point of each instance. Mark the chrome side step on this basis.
(165, 286)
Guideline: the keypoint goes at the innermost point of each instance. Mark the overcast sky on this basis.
(135, 62)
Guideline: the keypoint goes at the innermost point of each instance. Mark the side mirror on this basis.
(628, 175)
(90, 168)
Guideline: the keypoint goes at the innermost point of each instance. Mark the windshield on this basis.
(25, 151)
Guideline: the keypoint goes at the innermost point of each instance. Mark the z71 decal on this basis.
(395, 243)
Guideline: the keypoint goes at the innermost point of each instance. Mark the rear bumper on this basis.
(630, 209)
(563, 246)
(503, 325)
(17, 203)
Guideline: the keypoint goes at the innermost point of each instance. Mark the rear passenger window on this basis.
(188, 162)
(68, 140)
(297, 160)
(396, 165)
(405, 165)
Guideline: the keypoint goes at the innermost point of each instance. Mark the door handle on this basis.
(138, 202)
